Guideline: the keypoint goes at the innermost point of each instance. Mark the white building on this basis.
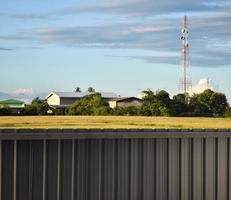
(66, 99)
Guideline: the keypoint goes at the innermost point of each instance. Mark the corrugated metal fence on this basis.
(182, 166)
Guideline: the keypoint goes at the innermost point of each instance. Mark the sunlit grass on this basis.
(111, 122)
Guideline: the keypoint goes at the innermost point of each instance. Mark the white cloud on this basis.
(202, 85)
(24, 91)
(216, 4)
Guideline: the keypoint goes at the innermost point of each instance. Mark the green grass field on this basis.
(111, 122)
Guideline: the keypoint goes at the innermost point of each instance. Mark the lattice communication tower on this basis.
(185, 80)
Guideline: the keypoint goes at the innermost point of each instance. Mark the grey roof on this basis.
(126, 98)
(82, 94)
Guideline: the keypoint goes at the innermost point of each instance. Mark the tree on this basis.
(92, 104)
(37, 107)
(209, 103)
(91, 90)
(204, 101)
(148, 95)
(155, 104)
(5, 111)
(218, 103)
(77, 89)
(163, 97)
(179, 105)
(228, 112)
(128, 111)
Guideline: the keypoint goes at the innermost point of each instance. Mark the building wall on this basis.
(112, 104)
(68, 101)
(125, 103)
(53, 100)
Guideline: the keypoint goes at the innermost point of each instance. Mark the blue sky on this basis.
(123, 46)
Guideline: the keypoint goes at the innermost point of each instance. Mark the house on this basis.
(125, 102)
(14, 105)
(59, 100)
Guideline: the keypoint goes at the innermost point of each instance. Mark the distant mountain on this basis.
(4, 96)
(23, 97)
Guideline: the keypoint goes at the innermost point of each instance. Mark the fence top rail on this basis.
(33, 134)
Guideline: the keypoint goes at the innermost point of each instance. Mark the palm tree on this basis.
(77, 89)
(91, 90)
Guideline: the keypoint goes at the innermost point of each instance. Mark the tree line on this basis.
(206, 104)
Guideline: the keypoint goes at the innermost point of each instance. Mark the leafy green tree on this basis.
(4, 111)
(228, 112)
(218, 103)
(155, 104)
(149, 95)
(37, 107)
(204, 101)
(179, 105)
(128, 111)
(209, 103)
(90, 105)
(163, 97)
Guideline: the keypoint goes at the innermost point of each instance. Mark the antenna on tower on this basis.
(185, 80)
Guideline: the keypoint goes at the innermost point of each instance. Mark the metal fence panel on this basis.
(7, 170)
(51, 169)
(162, 169)
(210, 169)
(196, 168)
(186, 169)
(222, 174)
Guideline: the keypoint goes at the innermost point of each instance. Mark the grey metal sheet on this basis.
(174, 169)
(222, 177)
(198, 169)
(23, 171)
(116, 169)
(94, 187)
(37, 170)
(82, 170)
(137, 159)
(7, 170)
(148, 170)
(123, 171)
(210, 169)
(40, 134)
(44, 146)
(162, 169)
(72, 169)
(186, 169)
(229, 169)
(51, 169)
(0, 170)
(109, 172)
(66, 169)
(15, 170)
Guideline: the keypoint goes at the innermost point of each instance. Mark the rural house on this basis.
(60, 100)
(125, 102)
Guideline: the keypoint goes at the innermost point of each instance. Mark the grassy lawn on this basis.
(111, 122)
